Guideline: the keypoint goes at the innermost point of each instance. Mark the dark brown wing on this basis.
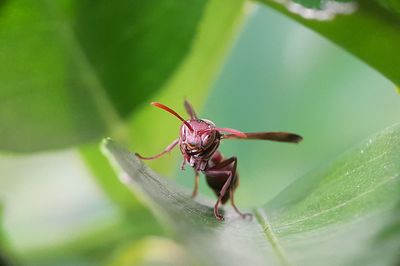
(274, 136)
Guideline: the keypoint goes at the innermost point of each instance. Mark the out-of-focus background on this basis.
(278, 76)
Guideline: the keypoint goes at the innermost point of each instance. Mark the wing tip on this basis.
(295, 138)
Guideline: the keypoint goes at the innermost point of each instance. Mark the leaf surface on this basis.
(345, 213)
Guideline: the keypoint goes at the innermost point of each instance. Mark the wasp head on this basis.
(199, 138)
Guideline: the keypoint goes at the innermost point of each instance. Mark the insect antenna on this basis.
(169, 110)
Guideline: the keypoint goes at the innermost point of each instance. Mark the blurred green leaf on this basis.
(151, 251)
(102, 172)
(135, 46)
(96, 246)
(342, 214)
(73, 70)
(318, 4)
(391, 5)
(212, 34)
(5, 249)
(2, 237)
(378, 48)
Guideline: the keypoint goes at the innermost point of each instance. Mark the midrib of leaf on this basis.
(270, 236)
(113, 121)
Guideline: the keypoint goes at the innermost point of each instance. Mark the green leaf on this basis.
(102, 172)
(378, 48)
(96, 246)
(391, 5)
(73, 70)
(346, 213)
(151, 251)
(6, 257)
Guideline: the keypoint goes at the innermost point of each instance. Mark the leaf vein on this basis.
(262, 219)
(341, 205)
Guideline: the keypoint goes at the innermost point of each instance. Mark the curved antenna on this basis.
(169, 110)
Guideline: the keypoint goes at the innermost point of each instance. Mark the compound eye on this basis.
(206, 139)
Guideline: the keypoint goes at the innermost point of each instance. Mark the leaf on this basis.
(6, 256)
(102, 172)
(391, 5)
(73, 70)
(357, 196)
(378, 48)
(342, 214)
(96, 246)
(151, 251)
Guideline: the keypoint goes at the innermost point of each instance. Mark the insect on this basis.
(199, 140)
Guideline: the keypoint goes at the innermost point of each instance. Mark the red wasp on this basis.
(199, 140)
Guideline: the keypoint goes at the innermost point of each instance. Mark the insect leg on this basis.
(221, 173)
(196, 184)
(225, 170)
(167, 149)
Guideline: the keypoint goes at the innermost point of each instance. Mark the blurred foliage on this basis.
(308, 223)
(6, 255)
(391, 5)
(107, 179)
(151, 251)
(95, 246)
(86, 68)
(318, 4)
(378, 48)
(135, 46)
(72, 70)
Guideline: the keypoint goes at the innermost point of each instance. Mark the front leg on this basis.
(167, 149)
(196, 184)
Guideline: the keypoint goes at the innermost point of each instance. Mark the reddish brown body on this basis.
(199, 140)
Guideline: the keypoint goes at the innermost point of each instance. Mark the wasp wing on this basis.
(274, 136)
